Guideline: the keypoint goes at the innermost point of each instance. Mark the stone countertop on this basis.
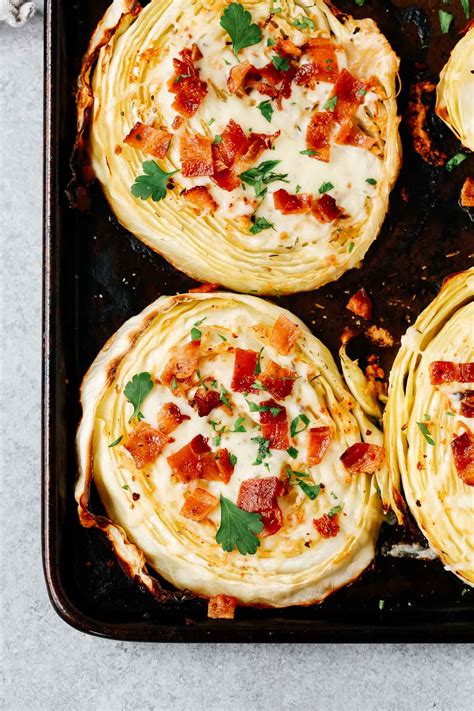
(46, 664)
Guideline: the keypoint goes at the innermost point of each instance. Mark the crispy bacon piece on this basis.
(363, 458)
(467, 404)
(422, 97)
(285, 89)
(148, 139)
(291, 204)
(348, 333)
(325, 209)
(205, 401)
(327, 526)
(182, 364)
(444, 371)
(187, 463)
(222, 607)
(199, 505)
(244, 376)
(350, 135)
(317, 135)
(205, 288)
(196, 155)
(319, 439)
(257, 144)
(200, 198)
(284, 335)
(237, 75)
(463, 453)
(288, 48)
(190, 90)
(145, 443)
(467, 193)
(234, 143)
(360, 304)
(226, 179)
(380, 336)
(323, 58)
(275, 426)
(224, 466)
(350, 94)
(260, 496)
(177, 123)
(278, 380)
(169, 417)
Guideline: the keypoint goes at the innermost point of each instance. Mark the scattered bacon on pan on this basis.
(260, 496)
(349, 93)
(325, 209)
(444, 371)
(360, 304)
(274, 425)
(319, 439)
(148, 139)
(206, 400)
(363, 458)
(190, 90)
(182, 365)
(463, 453)
(467, 193)
(467, 404)
(348, 333)
(289, 204)
(350, 135)
(327, 526)
(284, 335)
(169, 417)
(317, 135)
(200, 198)
(199, 505)
(244, 370)
(204, 288)
(376, 385)
(196, 155)
(380, 336)
(145, 443)
(277, 380)
(421, 100)
(222, 607)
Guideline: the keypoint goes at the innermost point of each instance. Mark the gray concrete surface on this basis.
(47, 665)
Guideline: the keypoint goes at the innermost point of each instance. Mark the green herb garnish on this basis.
(426, 433)
(351, 246)
(308, 152)
(293, 452)
(266, 109)
(294, 424)
(445, 19)
(311, 490)
(238, 425)
(153, 184)
(330, 104)
(224, 398)
(280, 63)
(263, 449)
(271, 42)
(325, 187)
(335, 510)
(258, 365)
(303, 23)
(371, 181)
(174, 384)
(259, 177)
(217, 139)
(136, 391)
(237, 22)
(260, 224)
(195, 332)
(232, 459)
(116, 441)
(238, 529)
(465, 7)
(455, 160)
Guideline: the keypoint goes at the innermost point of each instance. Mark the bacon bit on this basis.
(226, 179)
(291, 204)
(233, 145)
(145, 443)
(205, 401)
(348, 334)
(327, 526)
(444, 371)
(190, 90)
(317, 135)
(204, 289)
(199, 505)
(467, 404)
(196, 155)
(360, 304)
(200, 198)
(380, 336)
(350, 135)
(224, 466)
(187, 463)
(286, 46)
(236, 78)
(169, 417)
(278, 380)
(325, 209)
(323, 58)
(177, 123)
(260, 496)
(182, 364)
(375, 377)
(467, 193)
(284, 335)
(319, 439)
(350, 94)
(257, 144)
(275, 427)
(422, 95)
(285, 89)
(244, 371)
(363, 458)
(148, 139)
(222, 607)
(463, 453)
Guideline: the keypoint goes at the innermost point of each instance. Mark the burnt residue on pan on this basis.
(106, 275)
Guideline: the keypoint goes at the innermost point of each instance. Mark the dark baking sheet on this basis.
(97, 275)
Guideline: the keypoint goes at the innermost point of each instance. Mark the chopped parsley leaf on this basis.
(266, 109)
(445, 19)
(293, 452)
(330, 104)
(238, 425)
(116, 441)
(455, 161)
(294, 424)
(280, 63)
(325, 187)
(335, 510)
(260, 224)
(371, 181)
(426, 433)
(303, 23)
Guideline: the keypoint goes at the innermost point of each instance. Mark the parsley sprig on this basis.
(237, 22)
(263, 449)
(154, 182)
(261, 176)
(266, 109)
(238, 529)
(136, 391)
(301, 479)
(260, 224)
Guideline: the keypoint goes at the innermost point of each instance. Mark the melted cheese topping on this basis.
(130, 84)
(295, 565)
(441, 503)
